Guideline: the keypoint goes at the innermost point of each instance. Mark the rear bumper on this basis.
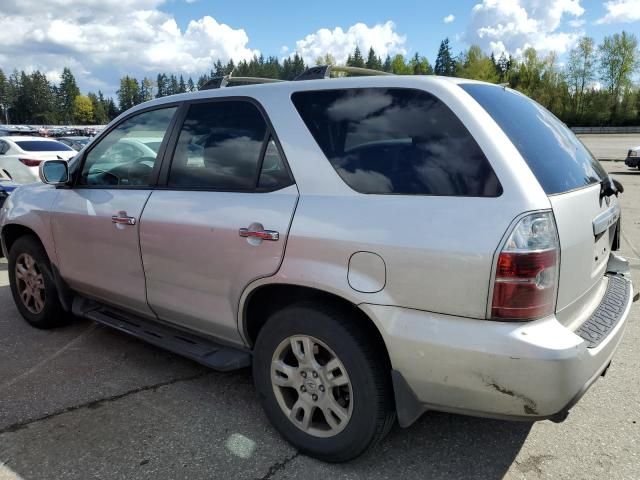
(632, 161)
(519, 371)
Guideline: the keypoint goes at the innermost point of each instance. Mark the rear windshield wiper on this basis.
(610, 186)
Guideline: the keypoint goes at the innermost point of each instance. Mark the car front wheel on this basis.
(323, 382)
(32, 286)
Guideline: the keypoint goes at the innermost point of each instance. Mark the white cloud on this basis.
(513, 25)
(577, 23)
(105, 39)
(621, 11)
(449, 18)
(382, 37)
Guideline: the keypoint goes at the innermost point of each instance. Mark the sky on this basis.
(103, 40)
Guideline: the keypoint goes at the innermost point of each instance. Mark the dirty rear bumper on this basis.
(518, 371)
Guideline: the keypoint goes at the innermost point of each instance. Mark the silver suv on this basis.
(374, 247)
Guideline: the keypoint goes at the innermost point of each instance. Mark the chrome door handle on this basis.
(123, 219)
(261, 234)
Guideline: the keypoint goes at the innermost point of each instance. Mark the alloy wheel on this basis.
(312, 386)
(30, 283)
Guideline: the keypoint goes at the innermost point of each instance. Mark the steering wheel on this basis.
(138, 172)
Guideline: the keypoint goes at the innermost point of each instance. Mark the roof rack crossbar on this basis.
(324, 71)
(221, 82)
(313, 73)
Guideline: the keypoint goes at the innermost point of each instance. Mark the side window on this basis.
(222, 147)
(3, 147)
(396, 141)
(127, 155)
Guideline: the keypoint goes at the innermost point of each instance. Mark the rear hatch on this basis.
(586, 212)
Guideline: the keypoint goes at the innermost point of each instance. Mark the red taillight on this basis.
(30, 162)
(526, 279)
(525, 286)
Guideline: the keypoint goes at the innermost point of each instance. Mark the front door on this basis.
(96, 223)
(221, 219)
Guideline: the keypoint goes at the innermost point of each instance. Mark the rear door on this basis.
(221, 219)
(572, 178)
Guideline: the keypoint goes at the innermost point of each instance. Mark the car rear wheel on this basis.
(323, 382)
(32, 286)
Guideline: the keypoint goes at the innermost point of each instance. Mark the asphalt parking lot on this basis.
(611, 146)
(88, 402)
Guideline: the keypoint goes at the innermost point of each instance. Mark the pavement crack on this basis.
(279, 466)
(98, 403)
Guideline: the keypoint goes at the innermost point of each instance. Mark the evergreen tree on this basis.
(292, 67)
(161, 85)
(356, 60)
(67, 92)
(99, 112)
(445, 65)
(190, 85)
(386, 66)
(112, 110)
(146, 90)
(182, 86)
(373, 61)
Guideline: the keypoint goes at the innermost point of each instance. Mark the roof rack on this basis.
(313, 73)
(221, 82)
(324, 71)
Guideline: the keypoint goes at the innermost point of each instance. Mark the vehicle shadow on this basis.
(441, 445)
(149, 409)
(626, 172)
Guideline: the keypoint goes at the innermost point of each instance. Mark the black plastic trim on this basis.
(204, 350)
(607, 315)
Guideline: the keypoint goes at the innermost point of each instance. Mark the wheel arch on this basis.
(11, 232)
(267, 298)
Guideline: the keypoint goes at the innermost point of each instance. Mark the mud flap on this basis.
(408, 407)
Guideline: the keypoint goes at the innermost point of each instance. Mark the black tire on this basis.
(52, 314)
(367, 367)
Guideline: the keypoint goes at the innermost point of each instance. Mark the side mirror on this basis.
(54, 172)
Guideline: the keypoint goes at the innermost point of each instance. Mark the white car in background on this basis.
(633, 157)
(21, 156)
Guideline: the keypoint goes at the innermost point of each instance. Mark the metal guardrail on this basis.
(584, 130)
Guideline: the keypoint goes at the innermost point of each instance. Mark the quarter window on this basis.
(224, 145)
(396, 141)
(127, 155)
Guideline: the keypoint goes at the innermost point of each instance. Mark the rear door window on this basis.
(396, 141)
(226, 145)
(554, 154)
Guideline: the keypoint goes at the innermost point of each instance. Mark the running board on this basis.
(202, 350)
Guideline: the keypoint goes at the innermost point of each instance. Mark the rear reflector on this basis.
(526, 280)
(30, 163)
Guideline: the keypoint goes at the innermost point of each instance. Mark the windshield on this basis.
(554, 154)
(42, 146)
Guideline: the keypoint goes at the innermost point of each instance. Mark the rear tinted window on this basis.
(396, 141)
(42, 146)
(556, 157)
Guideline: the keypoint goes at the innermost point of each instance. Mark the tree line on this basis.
(594, 87)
